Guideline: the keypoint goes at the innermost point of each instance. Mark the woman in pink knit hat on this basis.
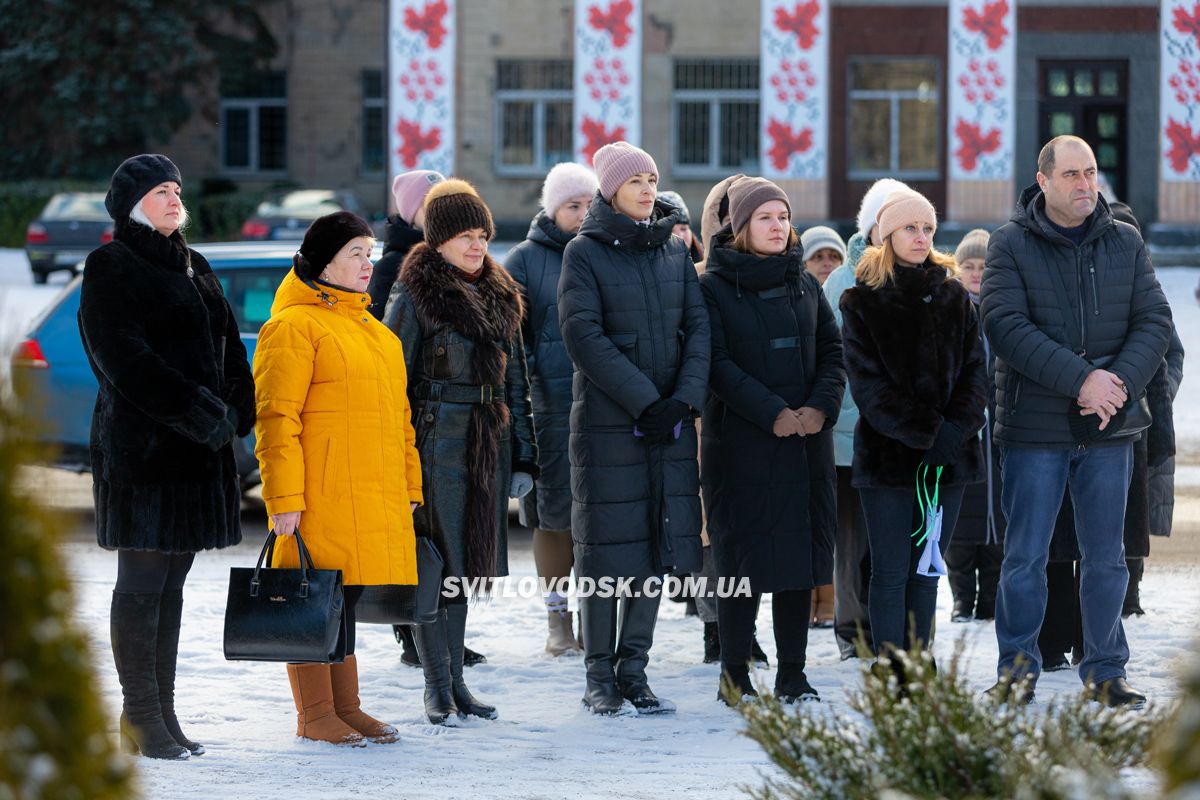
(635, 326)
(917, 371)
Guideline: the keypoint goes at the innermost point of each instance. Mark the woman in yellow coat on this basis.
(336, 449)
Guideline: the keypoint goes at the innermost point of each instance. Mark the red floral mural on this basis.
(973, 143)
(1186, 83)
(983, 82)
(606, 79)
(428, 22)
(597, 136)
(415, 141)
(615, 20)
(1185, 144)
(786, 142)
(794, 81)
(1188, 24)
(990, 22)
(801, 22)
(421, 80)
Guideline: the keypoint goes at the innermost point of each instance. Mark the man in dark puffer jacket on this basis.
(1075, 315)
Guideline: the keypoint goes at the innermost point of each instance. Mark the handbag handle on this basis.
(268, 551)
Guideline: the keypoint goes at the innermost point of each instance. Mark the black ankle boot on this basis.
(134, 631)
(735, 686)
(456, 631)
(170, 616)
(409, 657)
(792, 686)
(431, 642)
(757, 655)
(712, 643)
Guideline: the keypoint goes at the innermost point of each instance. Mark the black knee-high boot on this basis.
(456, 631)
(170, 615)
(432, 644)
(134, 630)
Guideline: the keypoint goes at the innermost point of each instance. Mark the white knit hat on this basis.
(565, 181)
(872, 200)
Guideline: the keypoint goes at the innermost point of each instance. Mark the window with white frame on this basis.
(254, 124)
(534, 125)
(374, 126)
(715, 119)
(893, 121)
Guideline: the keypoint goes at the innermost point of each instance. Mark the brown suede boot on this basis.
(344, 678)
(312, 689)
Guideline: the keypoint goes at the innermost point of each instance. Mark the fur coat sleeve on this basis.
(116, 341)
(891, 409)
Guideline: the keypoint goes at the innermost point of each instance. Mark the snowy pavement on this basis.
(543, 745)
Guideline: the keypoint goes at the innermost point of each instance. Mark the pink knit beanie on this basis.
(618, 162)
(902, 207)
(410, 189)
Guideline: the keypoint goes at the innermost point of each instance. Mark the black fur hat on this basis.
(134, 178)
(451, 207)
(324, 238)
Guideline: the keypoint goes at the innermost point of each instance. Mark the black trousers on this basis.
(789, 615)
(152, 572)
(974, 573)
(851, 569)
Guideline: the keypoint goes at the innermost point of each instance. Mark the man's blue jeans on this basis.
(1034, 481)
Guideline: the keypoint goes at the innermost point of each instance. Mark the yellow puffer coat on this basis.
(335, 435)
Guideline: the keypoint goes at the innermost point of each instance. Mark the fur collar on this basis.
(911, 285)
(170, 252)
(487, 311)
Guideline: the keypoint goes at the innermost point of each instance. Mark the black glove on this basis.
(946, 445)
(225, 431)
(659, 419)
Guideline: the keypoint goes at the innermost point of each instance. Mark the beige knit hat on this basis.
(902, 207)
(973, 245)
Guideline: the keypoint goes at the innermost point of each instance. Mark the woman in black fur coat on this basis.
(917, 372)
(458, 314)
(175, 389)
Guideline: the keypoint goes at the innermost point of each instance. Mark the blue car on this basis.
(53, 381)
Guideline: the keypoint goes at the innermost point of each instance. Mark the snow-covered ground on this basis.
(543, 745)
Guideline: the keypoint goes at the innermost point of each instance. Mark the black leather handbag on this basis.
(295, 615)
(406, 604)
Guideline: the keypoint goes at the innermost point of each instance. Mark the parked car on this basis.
(70, 226)
(287, 216)
(52, 379)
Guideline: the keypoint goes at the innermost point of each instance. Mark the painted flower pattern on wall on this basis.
(607, 74)
(794, 75)
(981, 89)
(421, 88)
(1180, 93)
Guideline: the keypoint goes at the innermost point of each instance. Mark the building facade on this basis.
(318, 117)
